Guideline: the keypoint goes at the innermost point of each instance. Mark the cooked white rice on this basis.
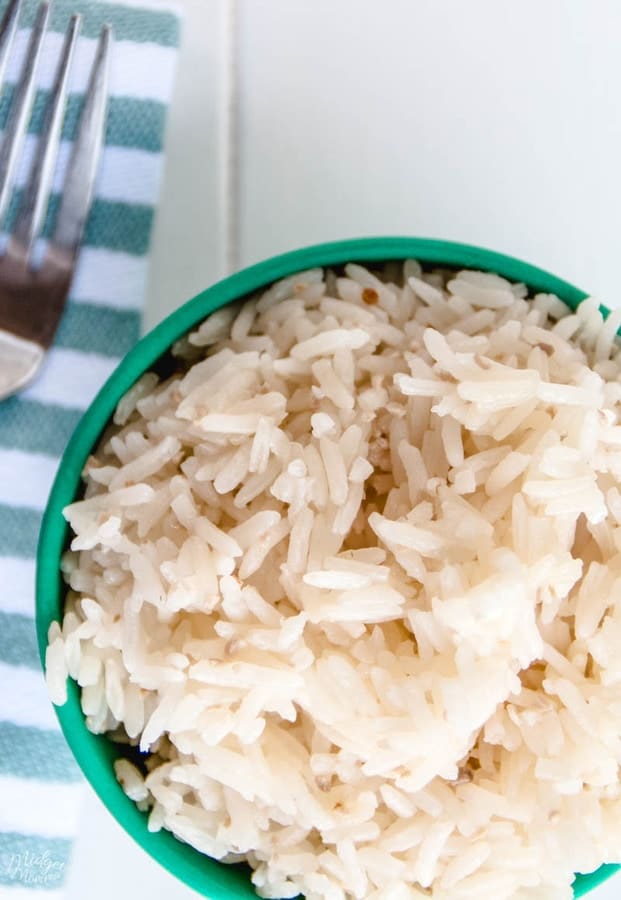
(352, 581)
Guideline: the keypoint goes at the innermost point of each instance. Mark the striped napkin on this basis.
(40, 785)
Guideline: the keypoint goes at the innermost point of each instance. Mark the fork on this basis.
(33, 296)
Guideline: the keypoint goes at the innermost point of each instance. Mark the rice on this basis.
(350, 581)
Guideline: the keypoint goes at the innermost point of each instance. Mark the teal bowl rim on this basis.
(95, 753)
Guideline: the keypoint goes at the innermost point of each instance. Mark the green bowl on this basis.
(95, 753)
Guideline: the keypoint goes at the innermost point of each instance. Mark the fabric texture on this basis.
(40, 784)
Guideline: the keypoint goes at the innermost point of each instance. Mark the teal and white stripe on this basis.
(39, 781)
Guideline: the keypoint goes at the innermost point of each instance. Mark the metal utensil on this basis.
(32, 297)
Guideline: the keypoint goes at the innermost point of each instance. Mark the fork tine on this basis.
(37, 192)
(8, 27)
(83, 163)
(19, 113)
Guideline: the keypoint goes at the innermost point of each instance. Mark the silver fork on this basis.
(32, 297)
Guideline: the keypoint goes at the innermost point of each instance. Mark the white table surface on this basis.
(492, 123)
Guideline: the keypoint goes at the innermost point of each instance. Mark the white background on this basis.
(484, 121)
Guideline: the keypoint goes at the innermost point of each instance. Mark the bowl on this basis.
(95, 754)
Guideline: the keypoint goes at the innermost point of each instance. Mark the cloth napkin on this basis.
(40, 785)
